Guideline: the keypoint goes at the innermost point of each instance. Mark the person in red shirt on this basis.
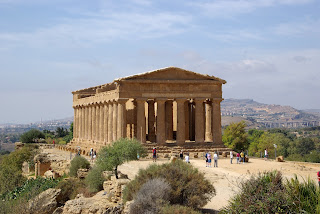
(154, 154)
(318, 174)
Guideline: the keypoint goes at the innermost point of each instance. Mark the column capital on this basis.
(150, 101)
(141, 99)
(217, 100)
(181, 100)
(161, 99)
(199, 100)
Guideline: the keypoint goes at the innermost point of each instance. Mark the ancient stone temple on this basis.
(169, 106)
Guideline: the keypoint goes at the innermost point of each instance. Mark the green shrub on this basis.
(305, 195)
(178, 209)
(32, 136)
(10, 168)
(295, 157)
(70, 188)
(95, 179)
(78, 162)
(188, 185)
(152, 196)
(62, 142)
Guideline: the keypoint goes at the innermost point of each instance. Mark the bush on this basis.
(188, 186)
(62, 142)
(31, 136)
(178, 209)
(295, 157)
(10, 168)
(70, 188)
(95, 179)
(151, 197)
(78, 162)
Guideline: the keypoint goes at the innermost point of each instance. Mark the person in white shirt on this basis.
(215, 158)
(231, 156)
(187, 158)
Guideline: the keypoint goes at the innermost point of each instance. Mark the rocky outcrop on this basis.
(98, 204)
(82, 173)
(45, 202)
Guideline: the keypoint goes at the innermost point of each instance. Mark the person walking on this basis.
(181, 155)
(154, 154)
(318, 174)
(238, 157)
(231, 156)
(91, 155)
(215, 158)
(187, 158)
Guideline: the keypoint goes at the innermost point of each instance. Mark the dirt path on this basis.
(224, 178)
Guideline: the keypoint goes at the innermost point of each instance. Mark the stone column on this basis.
(161, 121)
(151, 121)
(97, 122)
(110, 122)
(82, 123)
(199, 129)
(216, 122)
(181, 134)
(115, 120)
(106, 116)
(141, 121)
(208, 137)
(75, 123)
(169, 120)
(85, 122)
(122, 119)
(101, 128)
(187, 119)
(93, 122)
(90, 122)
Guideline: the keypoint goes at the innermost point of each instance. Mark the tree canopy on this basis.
(31, 136)
(119, 152)
(235, 136)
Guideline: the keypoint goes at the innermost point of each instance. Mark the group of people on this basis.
(209, 159)
(240, 157)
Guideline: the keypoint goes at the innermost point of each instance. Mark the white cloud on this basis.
(229, 8)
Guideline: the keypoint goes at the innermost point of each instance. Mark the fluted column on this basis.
(151, 121)
(106, 116)
(110, 122)
(93, 122)
(97, 122)
(187, 119)
(161, 121)
(199, 120)
(208, 137)
(90, 122)
(141, 121)
(115, 120)
(75, 123)
(122, 119)
(101, 128)
(86, 122)
(169, 120)
(181, 136)
(81, 121)
(216, 122)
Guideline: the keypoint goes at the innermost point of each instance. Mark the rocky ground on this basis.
(226, 177)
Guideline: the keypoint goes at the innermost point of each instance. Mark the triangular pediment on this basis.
(172, 73)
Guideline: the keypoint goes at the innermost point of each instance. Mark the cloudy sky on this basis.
(266, 50)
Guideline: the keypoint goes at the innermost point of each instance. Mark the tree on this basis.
(61, 132)
(31, 136)
(121, 151)
(69, 137)
(235, 136)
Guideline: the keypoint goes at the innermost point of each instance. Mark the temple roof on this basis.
(171, 73)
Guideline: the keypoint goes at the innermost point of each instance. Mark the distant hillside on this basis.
(265, 115)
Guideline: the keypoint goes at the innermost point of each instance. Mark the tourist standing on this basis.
(231, 156)
(238, 157)
(215, 159)
(209, 159)
(187, 158)
(181, 155)
(318, 174)
(206, 156)
(91, 154)
(154, 154)
(266, 154)
(242, 157)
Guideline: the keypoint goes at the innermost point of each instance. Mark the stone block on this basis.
(173, 159)
(82, 173)
(280, 159)
(224, 154)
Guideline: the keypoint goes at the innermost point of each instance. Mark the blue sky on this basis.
(266, 50)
